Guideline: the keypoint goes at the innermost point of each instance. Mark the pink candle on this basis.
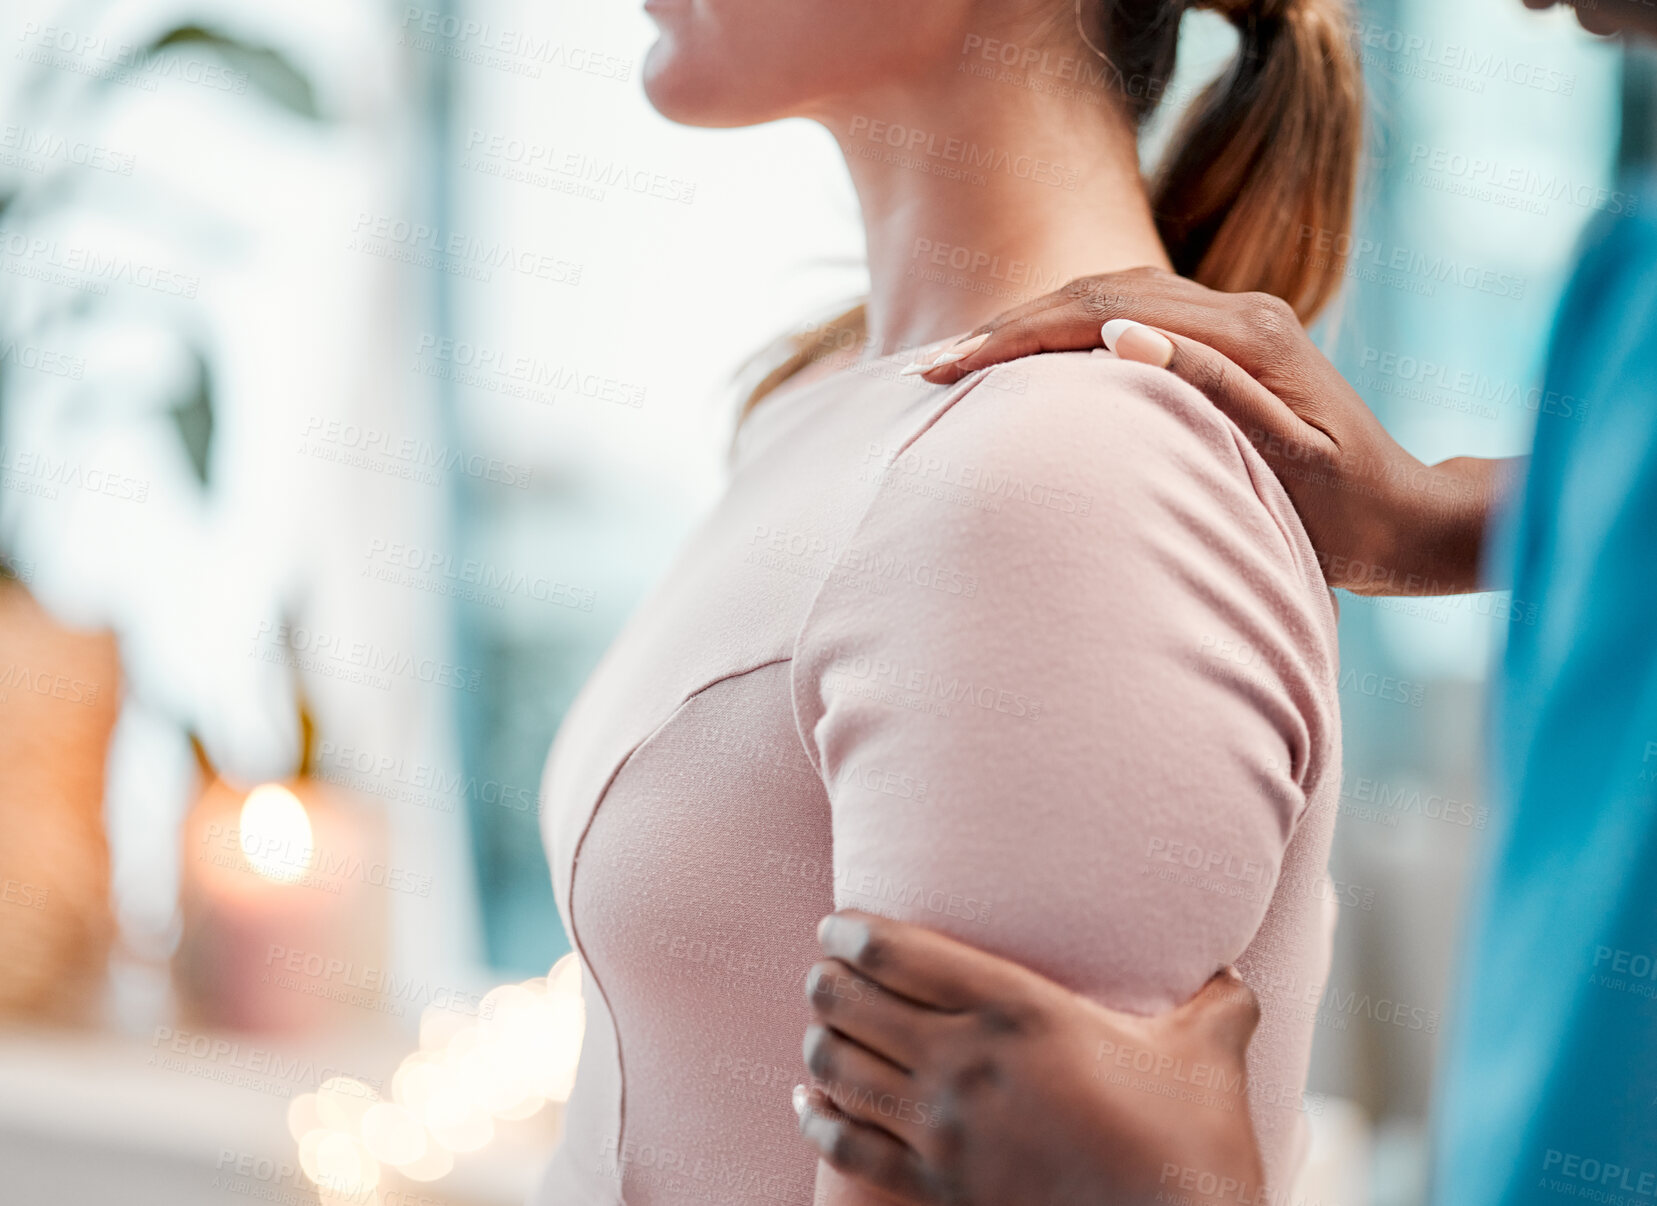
(283, 907)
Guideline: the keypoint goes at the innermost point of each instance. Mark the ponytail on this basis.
(1263, 171)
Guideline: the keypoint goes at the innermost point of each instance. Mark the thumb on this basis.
(1226, 1010)
(1259, 412)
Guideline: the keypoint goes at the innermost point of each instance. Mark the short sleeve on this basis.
(1072, 682)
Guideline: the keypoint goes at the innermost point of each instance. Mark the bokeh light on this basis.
(504, 1064)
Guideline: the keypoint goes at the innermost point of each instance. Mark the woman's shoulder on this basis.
(1123, 439)
(1091, 413)
(1073, 519)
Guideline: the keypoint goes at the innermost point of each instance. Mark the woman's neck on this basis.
(978, 194)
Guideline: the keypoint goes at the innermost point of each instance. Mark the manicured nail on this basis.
(1112, 331)
(839, 935)
(843, 937)
(1142, 343)
(959, 350)
(968, 346)
(926, 366)
(799, 1101)
(819, 1132)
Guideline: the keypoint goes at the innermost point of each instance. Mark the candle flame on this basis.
(276, 833)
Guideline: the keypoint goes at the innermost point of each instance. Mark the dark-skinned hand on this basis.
(1382, 522)
(945, 1076)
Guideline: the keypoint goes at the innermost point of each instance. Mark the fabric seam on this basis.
(575, 868)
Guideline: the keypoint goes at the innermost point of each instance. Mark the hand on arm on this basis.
(1056, 726)
(1382, 522)
(944, 1074)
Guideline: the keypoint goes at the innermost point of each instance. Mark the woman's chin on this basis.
(694, 98)
(1617, 17)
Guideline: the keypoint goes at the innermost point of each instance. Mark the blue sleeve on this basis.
(1550, 1090)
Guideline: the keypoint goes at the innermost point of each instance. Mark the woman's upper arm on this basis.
(1064, 690)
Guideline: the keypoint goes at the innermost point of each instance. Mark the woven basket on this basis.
(59, 691)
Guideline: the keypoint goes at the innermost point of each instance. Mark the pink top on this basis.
(1043, 660)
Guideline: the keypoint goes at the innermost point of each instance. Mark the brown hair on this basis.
(1267, 153)
(1262, 173)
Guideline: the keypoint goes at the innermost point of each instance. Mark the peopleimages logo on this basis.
(1602, 1173)
(921, 689)
(257, 1061)
(854, 563)
(331, 977)
(455, 251)
(414, 782)
(1468, 67)
(1415, 377)
(500, 371)
(41, 360)
(41, 474)
(327, 653)
(982, 486)
(986, 265)
(1633, 972)
(128, 63)
(372, 444)
(965, 154)
(89, 268)
(23, 895)
(550, 166)
(1419, 272)
(442, 573)
(33, 149)
(1372, 799)
(1512, 185)
(41, 681)
(1209, 862)
(519, 51)
(1010, 62)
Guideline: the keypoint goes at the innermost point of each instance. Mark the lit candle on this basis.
(284, 916)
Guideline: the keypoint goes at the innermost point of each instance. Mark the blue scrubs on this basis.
(1550, 1095)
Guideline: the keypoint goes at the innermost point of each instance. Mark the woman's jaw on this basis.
(743, 62)
(1609, 17)
(977, 190)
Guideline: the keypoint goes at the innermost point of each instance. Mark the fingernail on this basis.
(1135, 341)
(969, 345)
(799, 1100)
(843, 937)
(832, 931)
(819, 1132)
(1112, 331)
(959, 350)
